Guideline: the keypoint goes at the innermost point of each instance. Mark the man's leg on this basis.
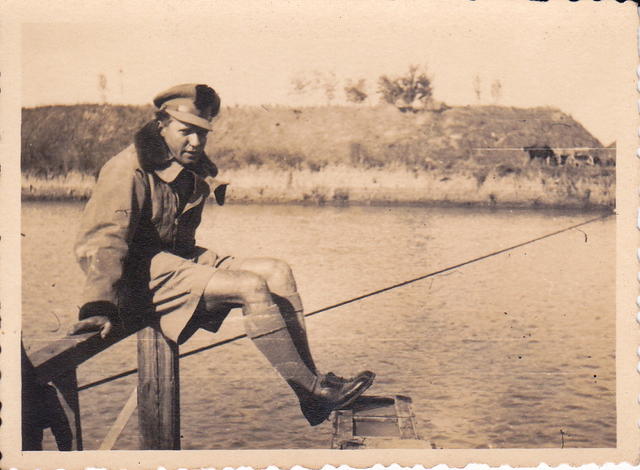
(263, 323)
(282, 285)
(268, 330)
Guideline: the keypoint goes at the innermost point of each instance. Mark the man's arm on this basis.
(108, 224)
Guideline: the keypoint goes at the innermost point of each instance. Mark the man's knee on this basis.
(236, 286)
(275, 272)
(280, 271)
(278, 275)
(252, 284)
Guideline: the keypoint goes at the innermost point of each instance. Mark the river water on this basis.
(513, 351)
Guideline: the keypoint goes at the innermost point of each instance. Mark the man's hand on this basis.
(99, 323)
(99, 316)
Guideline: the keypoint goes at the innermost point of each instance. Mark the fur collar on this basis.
(153, 154)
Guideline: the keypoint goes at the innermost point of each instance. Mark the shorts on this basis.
(176, 285)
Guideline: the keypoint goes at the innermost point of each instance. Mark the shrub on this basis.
(355, 91)
(410, 92)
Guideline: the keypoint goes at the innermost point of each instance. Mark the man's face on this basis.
(185, 141)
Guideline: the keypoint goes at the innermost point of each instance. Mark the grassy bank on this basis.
(327, 155)
(537, 187)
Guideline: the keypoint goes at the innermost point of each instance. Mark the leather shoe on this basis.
(332, 378)
(329, 395)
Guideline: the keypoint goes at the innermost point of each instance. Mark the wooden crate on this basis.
(376, 422)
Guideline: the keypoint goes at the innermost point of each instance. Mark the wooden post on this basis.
(158, 391)
(54, 406)
(66, 386)
(32, 393)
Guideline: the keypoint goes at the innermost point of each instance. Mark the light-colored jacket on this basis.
(132, 215)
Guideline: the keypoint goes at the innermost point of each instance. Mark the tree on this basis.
(102, 87)
(316, 84)
(477, 87)
(410, 92)
(300, 84)
(327, 83)
(496, 90)
(355, 92)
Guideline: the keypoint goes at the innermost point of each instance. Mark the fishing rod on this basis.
(363, 296)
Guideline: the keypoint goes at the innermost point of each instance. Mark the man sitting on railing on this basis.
(137, 247)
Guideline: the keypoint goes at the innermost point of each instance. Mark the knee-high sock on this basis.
(267, 329)
(293, 314)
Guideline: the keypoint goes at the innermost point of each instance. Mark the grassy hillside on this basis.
(60, 139)
(324, 154)
(381, 136)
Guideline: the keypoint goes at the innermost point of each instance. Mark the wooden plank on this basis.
(343, 425)
(343, 431)
(406, 418)
(158, 391)
(69, 352)
(376, 419)
(120, 422)
(67, 388)
(393, 443)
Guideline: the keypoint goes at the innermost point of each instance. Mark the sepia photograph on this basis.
(402, 229)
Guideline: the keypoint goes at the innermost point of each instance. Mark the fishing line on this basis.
(364, 296)
(451, 268)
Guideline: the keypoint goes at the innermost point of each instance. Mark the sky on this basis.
(568, 56)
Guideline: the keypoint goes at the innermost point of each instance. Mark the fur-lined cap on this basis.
(190, 103)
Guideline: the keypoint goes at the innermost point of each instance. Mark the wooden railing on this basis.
(50, 390)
